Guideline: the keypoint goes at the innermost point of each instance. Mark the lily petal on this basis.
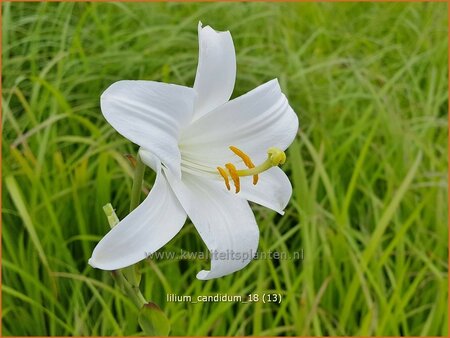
(146, 229)
(273, 190)
(150, 114)
(253, 122)
(225, 223)
(216, 70)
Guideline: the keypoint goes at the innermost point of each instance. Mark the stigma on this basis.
(275, 157)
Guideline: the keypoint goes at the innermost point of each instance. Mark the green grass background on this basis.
(369, 167)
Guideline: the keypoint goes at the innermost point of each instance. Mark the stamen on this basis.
(234, 176)
(246, 159)
(275, 157)
(224, 174)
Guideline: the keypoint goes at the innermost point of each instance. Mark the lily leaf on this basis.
(153, 321)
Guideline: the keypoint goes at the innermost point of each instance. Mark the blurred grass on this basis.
(369, 168)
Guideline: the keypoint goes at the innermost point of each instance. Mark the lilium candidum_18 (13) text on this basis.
(211, 156)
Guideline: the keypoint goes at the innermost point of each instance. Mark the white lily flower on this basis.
(199, 143)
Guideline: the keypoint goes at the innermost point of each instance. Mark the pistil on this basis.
(275, 157)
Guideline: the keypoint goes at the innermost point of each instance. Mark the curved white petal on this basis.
(273, 190)
(150, 114)
(216, 70)
(150, 160)
(146, 229)
(254, 122)
(225, 223)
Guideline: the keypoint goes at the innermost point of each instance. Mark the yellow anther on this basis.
(234, 176)
(224, 174)
(255, 179)
(246, 159)
(275, 157)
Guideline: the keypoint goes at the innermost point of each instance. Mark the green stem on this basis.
(137, 183)
(132, 291)
(131, 273)
(127, 278)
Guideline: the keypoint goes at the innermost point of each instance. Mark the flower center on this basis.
(275, 157)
